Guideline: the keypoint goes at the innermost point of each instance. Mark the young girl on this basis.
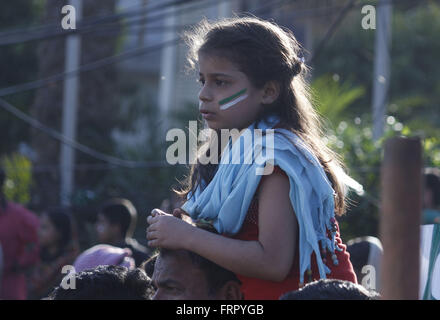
(277, 231)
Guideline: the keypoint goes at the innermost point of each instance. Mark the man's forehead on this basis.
(174, 265)
(168, 264)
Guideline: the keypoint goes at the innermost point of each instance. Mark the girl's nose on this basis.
(205, 95)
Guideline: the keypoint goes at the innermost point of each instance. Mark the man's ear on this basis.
(231, 290)
(271, 91)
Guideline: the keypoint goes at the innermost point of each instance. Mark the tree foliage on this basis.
(343, 86)
(18, 170)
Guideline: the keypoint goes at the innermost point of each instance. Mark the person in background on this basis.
(430, 237)
(431, 196)
(331, 289)
(58, 249)
(366, 253)
(19, 242)
(106, 283)
(115, 226)
(104, 255)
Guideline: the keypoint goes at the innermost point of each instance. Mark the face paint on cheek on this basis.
(233, 100)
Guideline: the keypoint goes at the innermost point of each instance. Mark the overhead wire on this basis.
(86, 24)
(57, 135)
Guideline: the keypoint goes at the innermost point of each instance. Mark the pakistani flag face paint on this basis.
(233, 100)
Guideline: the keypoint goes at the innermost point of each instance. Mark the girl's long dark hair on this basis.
(264, 52)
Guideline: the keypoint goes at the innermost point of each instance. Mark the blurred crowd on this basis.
(37, 249)
(40, 259)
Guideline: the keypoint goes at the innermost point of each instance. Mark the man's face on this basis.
(175, 277)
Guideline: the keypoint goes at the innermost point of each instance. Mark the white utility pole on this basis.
(167, 76)
(381, 80)
(70, 103)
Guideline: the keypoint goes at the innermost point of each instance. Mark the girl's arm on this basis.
(269, 258)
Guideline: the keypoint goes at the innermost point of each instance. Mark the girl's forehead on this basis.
(216, 64)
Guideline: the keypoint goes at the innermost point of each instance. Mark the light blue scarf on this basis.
(226, 199)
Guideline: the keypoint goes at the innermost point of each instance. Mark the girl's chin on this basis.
(214, 125)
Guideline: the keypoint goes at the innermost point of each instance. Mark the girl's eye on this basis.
(220, 82)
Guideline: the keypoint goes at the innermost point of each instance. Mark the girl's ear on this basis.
(271, 91)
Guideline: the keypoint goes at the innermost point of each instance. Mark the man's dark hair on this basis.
(107, 283)
(432, 182)
(359, 253)
(121, 212)
(331, 289)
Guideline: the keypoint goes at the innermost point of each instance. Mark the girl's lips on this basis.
(207, 115)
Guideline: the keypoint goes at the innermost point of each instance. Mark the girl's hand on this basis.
(167, 231)
(158, 212)
(178, 212)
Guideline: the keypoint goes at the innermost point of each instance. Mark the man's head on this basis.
(184, 275)
(331, 289)
(106, 283)
(116, 221)
(366, 251)
(431, 199)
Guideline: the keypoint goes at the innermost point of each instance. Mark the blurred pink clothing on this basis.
(104, 255)
(19, 241)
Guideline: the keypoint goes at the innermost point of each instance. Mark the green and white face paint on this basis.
(232, 100)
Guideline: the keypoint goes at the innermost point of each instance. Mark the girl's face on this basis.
(227, 99)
